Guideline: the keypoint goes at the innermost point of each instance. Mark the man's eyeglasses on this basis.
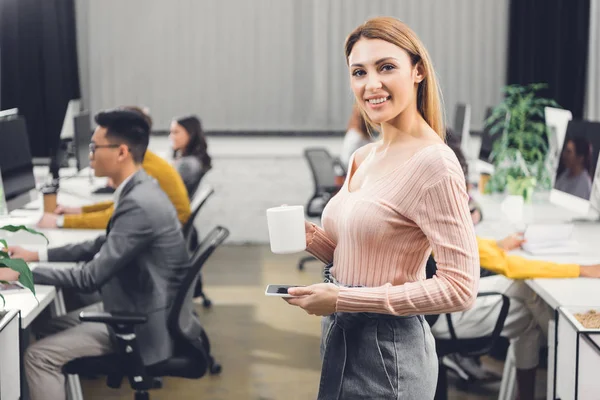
(93, 146)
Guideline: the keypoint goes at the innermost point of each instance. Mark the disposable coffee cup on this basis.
(50, 194)
(286, 229)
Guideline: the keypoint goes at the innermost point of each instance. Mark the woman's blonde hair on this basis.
(429, 99)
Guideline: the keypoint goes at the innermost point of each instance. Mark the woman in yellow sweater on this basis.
(96, 216)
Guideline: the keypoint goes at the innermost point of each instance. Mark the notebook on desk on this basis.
(18, 220)
(11, 286)
(545, 239)
(552, 248)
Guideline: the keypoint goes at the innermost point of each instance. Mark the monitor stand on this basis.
(586, 220)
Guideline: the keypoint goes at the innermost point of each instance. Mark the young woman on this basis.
(189, 151)
(576, 178)
(403, 197)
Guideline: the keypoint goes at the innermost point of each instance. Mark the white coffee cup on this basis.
(286, 229)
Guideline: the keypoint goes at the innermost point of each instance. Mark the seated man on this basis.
(138, 266)
(528, 316)
(96, 216)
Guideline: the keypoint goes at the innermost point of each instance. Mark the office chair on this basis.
(323, 168)
(470, 347)
(199, 198)
(192, 358)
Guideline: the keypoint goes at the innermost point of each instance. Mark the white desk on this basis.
(555, 292)
(24, 301)
(48, 295)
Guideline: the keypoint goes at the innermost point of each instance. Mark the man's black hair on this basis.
(126, 127)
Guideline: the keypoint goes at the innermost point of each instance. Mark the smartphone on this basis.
(279, 290)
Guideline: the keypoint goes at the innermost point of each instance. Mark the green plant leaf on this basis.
(3, 301)
(4, 254)
(16, 228)
(3, 243)
(520, 136)
(20, 266)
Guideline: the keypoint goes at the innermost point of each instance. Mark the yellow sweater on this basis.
(495, 259)
(96, 216)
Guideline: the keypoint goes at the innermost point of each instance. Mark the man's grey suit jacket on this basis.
(138, 266)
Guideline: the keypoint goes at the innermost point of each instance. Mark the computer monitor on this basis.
(577, 166)
(556, 121)
(16, 163)
(81, 140)
(10, 113)
(487, 142)
(68, 128)
(462, 124)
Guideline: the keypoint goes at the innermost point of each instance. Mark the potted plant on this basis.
(18, 265)
(520, 149)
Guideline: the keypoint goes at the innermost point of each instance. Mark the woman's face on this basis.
(383, 79)
(570, 157)
(178, 136)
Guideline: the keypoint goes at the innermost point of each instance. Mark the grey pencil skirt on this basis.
(377, 356)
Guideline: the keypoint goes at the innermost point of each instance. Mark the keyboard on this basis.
(104, 190)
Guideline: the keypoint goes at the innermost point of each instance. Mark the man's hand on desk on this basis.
(25, 255)
(48, 221)
(8, 275)
(589, 271)
(64, 210)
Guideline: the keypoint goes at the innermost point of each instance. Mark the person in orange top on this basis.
(96, 216)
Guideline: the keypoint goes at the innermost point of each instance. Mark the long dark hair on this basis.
(584, 149)
(197, 145)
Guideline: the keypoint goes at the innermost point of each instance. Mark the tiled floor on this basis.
(269, 350)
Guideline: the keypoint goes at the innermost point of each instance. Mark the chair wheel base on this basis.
(142, 396)
(300, 267)
(206, 303)
(462, 385)
(215, 369)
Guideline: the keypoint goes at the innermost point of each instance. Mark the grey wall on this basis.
(273, 64)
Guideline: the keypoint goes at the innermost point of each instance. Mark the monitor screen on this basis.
(81, 140)
(15, 158)
(578, 159)
(73, 108)
(487, 142)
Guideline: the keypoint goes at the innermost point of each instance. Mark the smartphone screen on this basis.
(279, 290)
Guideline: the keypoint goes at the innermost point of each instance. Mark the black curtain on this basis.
(548, 42)
(38, 52)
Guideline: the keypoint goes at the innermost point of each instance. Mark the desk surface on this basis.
(25, 301)
(567, 292)
(555, 292)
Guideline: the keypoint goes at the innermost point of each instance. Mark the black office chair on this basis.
(199, 198)
(471, 347)
(192, 358)
(323, 168)
(191, 237)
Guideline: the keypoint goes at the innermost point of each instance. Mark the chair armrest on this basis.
(127, 346)
(499, 322)
(113, 318)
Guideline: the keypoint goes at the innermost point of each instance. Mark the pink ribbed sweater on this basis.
(381, 235)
